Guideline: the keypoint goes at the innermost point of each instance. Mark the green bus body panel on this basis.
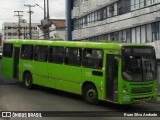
(7, 67)
(66, 77)
(99, 81)
(109, 46)
(71, 78)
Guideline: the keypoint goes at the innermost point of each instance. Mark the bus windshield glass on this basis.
(139, 64)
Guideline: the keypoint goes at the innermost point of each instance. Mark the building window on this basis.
(155, 31)
(142, 3)
(88, 20)
(149, 32)
(99, 15)
(133, 35)
(138, 35)
(120, 36)
(111, 10)
(9, 34)
(123, 6)
(112, 36)
(92, 18)
(128, 35)
(106, 37)
(124, 36)
(104, 13)
(84, 21)
(148, 2)
(143, 34)
(95, 16)
(136, 4)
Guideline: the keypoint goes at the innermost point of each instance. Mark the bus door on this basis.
(112, 78)
(16, 62)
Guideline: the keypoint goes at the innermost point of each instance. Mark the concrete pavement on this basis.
(158, 99)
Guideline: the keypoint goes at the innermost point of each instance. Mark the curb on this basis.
(157, 102)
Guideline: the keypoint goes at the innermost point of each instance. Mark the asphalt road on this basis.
(14, 97)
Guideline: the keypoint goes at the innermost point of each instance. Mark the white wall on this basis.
(60, 34)
(89, 5)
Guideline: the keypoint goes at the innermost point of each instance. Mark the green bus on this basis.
(114, 72)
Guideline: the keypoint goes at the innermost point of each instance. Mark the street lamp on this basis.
(45, 22)
(42, 9)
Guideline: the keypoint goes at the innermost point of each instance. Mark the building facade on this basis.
(11, 30)
(128, 21)
(0, 39)
(125, 21)
(57, 29)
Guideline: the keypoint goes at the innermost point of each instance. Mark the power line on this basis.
(30, 12)
(19, 17)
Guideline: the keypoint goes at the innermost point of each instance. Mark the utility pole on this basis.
(48, 31)
(46, 19)
(45, 9)
(30, 12)
(19, 17)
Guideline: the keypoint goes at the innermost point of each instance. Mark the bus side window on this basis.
(93, 58)
(41, 53)
(56, 54)
(7, 50)
(73, 56)
(27, 52)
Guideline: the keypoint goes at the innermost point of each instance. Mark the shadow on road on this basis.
(102, 104)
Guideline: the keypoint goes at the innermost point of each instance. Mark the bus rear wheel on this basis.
(28, 80)
(90, 94)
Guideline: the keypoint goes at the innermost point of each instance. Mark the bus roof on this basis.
(74, 44)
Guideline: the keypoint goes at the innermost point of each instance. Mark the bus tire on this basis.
(28, 81)
(90, 94)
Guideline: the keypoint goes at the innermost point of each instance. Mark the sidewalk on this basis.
(158, 99)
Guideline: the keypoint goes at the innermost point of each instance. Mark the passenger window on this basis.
(73, 56)
(7, 50)
(56, 54)
(27, 52)
(41, 53)
(93, 58)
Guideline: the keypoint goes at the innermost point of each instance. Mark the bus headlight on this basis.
(124, 91)
(156, 89)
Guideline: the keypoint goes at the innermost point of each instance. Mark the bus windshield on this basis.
(138, 67)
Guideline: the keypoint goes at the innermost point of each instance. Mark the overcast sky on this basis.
(7, 8)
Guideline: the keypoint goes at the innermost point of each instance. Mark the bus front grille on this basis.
(135, 90)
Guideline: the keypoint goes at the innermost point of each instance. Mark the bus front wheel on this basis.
(28, 80)
(90, 94)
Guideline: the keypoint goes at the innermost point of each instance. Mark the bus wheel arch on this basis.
(90, 92)
(27, 79)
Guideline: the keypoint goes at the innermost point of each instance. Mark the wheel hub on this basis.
(92, 94)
